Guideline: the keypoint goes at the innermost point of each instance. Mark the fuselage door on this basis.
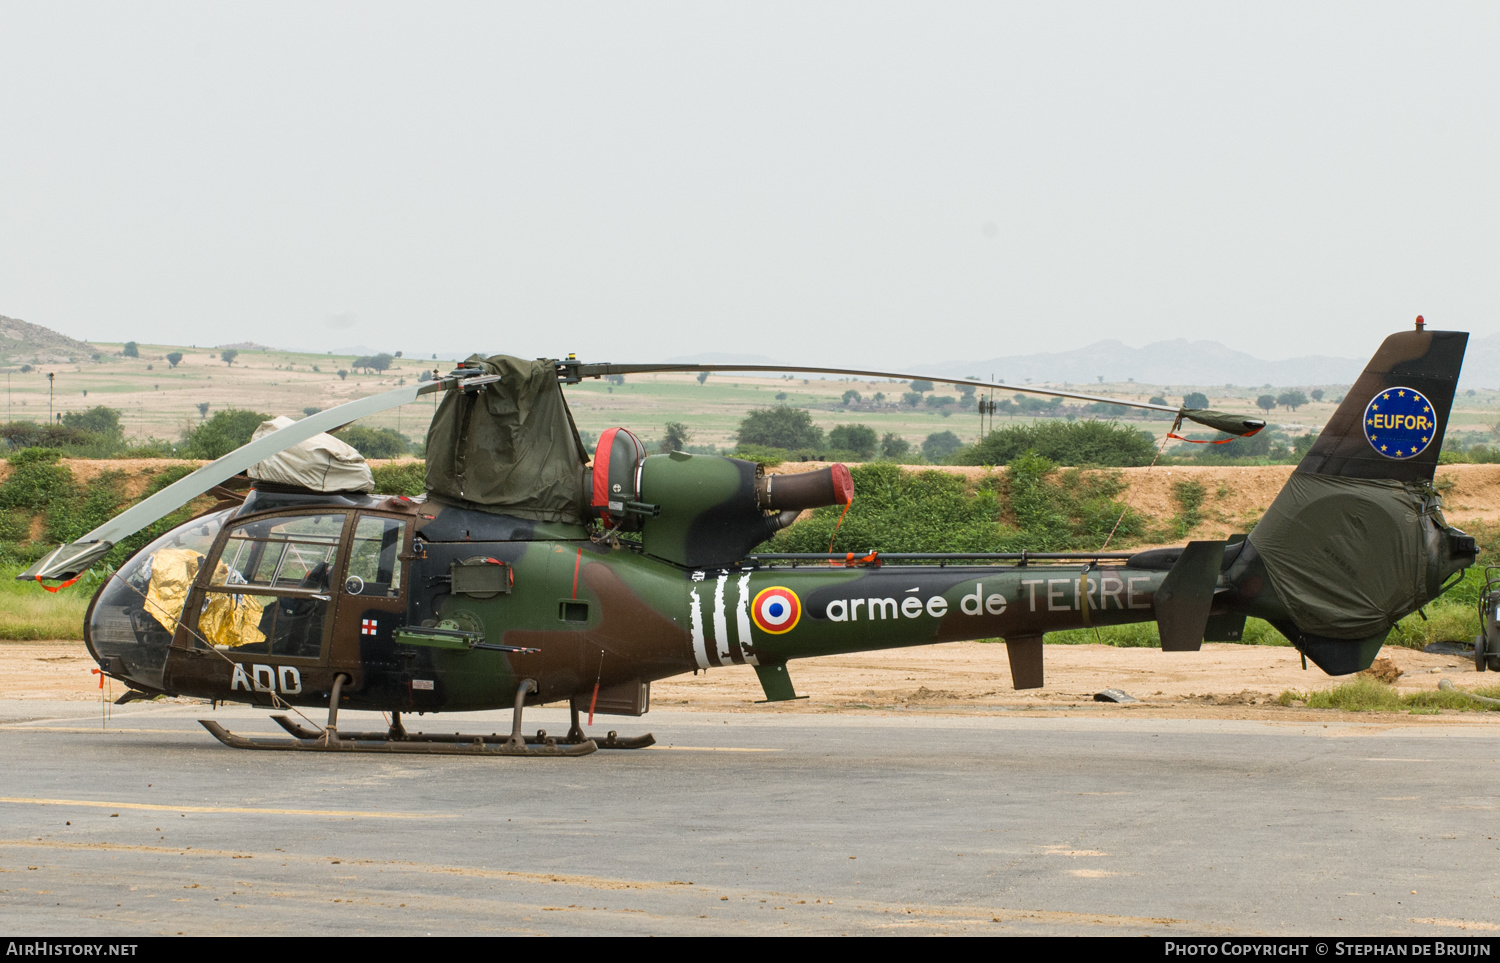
(372, 595)
(264, 603)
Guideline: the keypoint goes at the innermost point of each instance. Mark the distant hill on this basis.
(22, 342)
(1196, 363)
(247, 346)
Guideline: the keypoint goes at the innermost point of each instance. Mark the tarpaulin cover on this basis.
(510, 448)
(1223, 421)
(322, 463)
(1345, 555)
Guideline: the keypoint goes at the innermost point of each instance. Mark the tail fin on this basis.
(1356, 540)
(1391, 423)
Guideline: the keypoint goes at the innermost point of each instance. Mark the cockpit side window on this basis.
(271, 587)
(374, 558)
(285, 552)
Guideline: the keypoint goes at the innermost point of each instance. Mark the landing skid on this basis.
(458, 745)
(397, 739)
(400, 735)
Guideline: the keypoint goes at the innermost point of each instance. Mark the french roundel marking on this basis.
(1400, 423)
(776, 610)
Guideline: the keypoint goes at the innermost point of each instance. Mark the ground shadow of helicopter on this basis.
(532, 574)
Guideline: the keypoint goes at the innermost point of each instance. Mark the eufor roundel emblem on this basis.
(776, 610)
(1399, 423)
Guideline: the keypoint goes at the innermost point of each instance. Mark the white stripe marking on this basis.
(700, 650)
(721, 623)
(742, 620)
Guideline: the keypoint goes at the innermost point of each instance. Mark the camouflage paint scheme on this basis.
(592, 613)
(612, 615)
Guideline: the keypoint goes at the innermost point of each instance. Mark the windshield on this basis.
(136, 613)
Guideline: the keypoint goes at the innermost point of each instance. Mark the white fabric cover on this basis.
(322, 463)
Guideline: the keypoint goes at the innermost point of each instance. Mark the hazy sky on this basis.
(853, 183)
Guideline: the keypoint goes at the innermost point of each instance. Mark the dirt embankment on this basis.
(1235, 498)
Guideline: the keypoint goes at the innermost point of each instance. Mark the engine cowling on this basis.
(701, 511)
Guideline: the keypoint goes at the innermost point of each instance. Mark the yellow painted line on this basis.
(26, 801)
(713, 749)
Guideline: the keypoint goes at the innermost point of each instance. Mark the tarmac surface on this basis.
(922, 822)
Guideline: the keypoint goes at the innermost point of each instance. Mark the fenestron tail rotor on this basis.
(1357, 540)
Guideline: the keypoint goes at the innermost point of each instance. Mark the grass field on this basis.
(1364, 694)
(28, 611)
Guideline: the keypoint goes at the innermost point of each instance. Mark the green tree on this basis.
(894, 447)
(780, 427)
(1266, 403)
(228, 355)
(310, 411)
(921, 386)
(373, 362)
(1291, 400)
(1028, 405)
(1196, 399)
(702, 377)
(343, 373)
(98, 420)
(851, 397)
(202, 410)
(940, 445)
(675, 438)
(859, 439)
(131, 350)
(1159, 400)
(911, 399)
(375, 442)
(1066, 443)
(174, 358)
(1317, 394)
(221, 434)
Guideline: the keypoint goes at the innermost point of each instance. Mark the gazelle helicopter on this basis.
(509, 585)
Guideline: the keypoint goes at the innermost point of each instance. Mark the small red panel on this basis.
(843, 483)
(601, 467)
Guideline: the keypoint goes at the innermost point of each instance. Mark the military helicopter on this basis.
(532, 574)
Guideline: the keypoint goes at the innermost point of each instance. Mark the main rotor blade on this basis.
(573, 372)
(69, 560)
